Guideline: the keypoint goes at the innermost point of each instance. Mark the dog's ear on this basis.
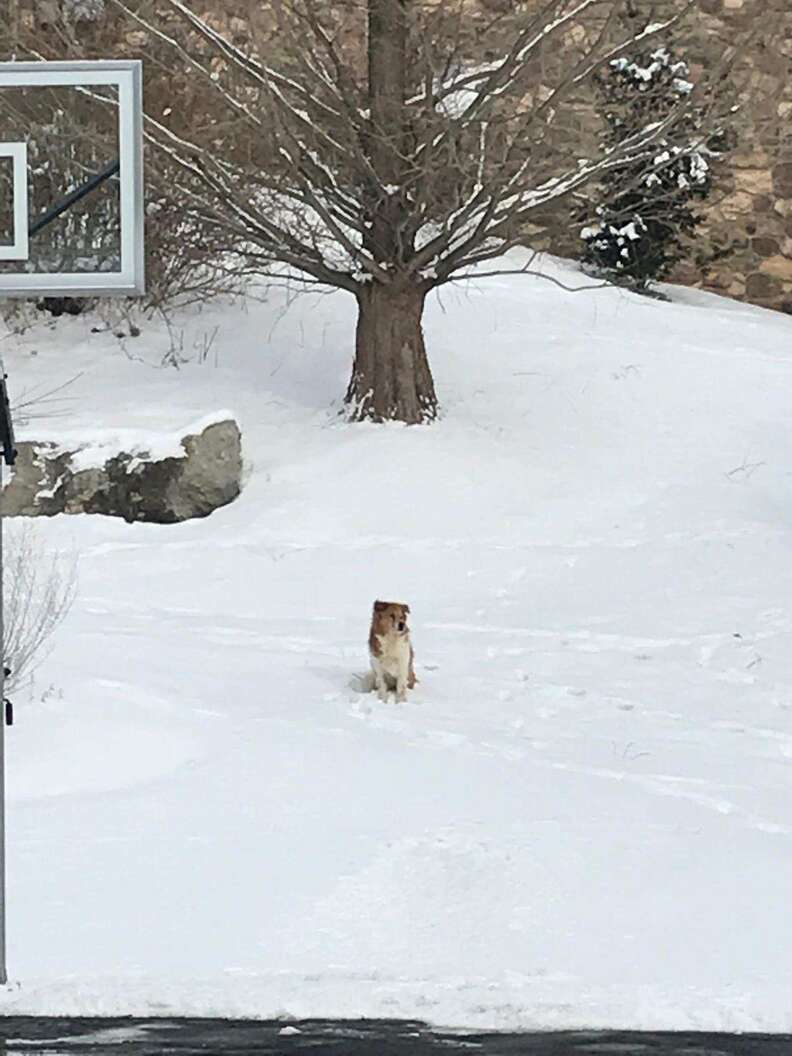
(380, 606)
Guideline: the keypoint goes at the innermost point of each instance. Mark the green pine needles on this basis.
(646, 210)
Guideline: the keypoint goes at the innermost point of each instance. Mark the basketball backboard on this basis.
(71, 220)
(71, 179)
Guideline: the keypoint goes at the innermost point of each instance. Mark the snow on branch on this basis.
(386, 144)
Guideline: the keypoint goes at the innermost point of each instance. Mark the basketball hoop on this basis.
(49, 192)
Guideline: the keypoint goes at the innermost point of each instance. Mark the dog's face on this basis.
(390, 616)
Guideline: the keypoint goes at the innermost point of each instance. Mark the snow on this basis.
(454, 102)
(92, 450)
(661, 61)
(580, 818)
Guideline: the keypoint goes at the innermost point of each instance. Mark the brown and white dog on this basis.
(390, 650)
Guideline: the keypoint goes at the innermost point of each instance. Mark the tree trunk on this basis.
(387, 76)
(391, 380)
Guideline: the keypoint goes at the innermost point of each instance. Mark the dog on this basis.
(390, 650)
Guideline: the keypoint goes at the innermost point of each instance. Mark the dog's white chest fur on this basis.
(395, 655)
(392, 666)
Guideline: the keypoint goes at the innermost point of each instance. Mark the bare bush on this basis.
(38, 590)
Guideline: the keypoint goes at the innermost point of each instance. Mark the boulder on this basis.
(164, 481)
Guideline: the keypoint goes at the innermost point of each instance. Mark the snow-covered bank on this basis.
(582, 815)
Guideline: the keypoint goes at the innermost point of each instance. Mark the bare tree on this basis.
(386, 147)
(38, 592)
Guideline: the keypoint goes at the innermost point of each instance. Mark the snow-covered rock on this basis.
(182, 480)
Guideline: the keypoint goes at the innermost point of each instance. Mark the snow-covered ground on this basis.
(581, 817)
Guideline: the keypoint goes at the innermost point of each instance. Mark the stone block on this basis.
(779, 266)
(762, 287)
(204, 475)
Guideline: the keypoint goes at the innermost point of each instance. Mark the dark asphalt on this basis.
(182, 1037)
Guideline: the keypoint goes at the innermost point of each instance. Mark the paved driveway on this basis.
(160, 1037)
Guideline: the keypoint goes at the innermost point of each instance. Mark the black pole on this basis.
(74, 196)
(9, 454)
(7, 442)
(3, 968)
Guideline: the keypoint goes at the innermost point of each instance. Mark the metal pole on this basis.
(8, 457)
(75, 196)
(3, 973)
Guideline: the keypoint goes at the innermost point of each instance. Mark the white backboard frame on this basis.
(18, 250)
(127, 77)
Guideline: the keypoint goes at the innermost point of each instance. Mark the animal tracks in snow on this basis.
(567, 700)
(582, 640)
(527, 721)
(696, 790)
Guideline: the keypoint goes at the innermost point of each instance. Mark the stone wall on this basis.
(750, 218)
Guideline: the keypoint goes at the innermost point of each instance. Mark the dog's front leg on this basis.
(380, 683)
(401, 687)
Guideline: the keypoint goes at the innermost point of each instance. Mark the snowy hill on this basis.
(582, 815)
